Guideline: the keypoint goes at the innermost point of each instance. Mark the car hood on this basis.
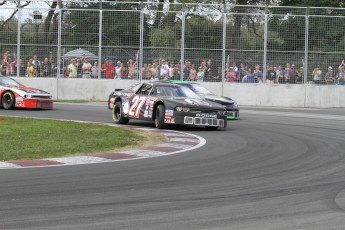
(30, 90)
(194, 103)
(219, 99)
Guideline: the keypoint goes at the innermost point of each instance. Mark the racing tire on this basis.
(117, 113)
(211, 128)
(160, 115)
(110, 96)
(8, 100)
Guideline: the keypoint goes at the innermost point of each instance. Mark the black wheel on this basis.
(211, 127)
(118, 116)
(8, 100)
(110, 96)
(160, 115)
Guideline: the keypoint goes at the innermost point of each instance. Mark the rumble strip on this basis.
(177, 142)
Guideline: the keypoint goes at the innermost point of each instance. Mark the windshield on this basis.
(9, 82)
(134, 87)
(175, 91)
(198, 89)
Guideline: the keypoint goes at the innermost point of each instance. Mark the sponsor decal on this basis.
(152, 99)
(172, 120)
(206, 115)
(167, 121)
(19, 99)
(19, 104)
(130, 95)
(117, 93)
(137, 104)
(169, 112)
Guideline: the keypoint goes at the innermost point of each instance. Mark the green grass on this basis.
(25, 138)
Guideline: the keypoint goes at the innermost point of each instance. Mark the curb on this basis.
(177, 142)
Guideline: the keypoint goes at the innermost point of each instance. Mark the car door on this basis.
(141, 104)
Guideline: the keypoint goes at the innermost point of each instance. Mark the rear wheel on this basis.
(160, 115)
(8, 100)
(118, 116)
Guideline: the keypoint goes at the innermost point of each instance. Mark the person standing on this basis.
(317, 74)
(22, 68)
(86, 68)
(10, 67)
(231, 75)
(72, 69)
(94, 70)
(108, 69)
(30, 70)
(329, 76)
(293, 75)
(164, 70)
(37, 65)
(118, 70)
(192, 74)
(46, 68)
(132, 69)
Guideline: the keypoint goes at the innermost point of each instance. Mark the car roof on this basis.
(179, 82)
(167, 83)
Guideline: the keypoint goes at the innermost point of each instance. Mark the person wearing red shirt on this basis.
(108, 69)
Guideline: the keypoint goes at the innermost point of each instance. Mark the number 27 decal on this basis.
(137, 103)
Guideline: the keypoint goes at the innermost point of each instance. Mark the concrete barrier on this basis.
(258, 94)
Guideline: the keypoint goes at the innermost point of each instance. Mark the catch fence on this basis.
(173, 41)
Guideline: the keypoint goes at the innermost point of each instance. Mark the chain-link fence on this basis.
(198, 42)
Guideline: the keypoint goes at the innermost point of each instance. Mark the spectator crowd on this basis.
(205, 71)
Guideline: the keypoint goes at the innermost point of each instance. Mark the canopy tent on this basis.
(78, 53)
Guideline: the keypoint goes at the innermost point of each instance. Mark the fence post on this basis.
(141, 47)
(306, 44)
(18, 37)
(223, 53)
(182, 42)
(100, 42)
(264, 68)
(58, 56)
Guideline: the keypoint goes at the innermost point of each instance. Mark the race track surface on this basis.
(272, 169)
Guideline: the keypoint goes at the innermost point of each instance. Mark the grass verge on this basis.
(27, 138)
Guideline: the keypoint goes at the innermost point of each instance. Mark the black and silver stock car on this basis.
(165, 103)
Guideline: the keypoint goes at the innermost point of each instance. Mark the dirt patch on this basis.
(149, 139)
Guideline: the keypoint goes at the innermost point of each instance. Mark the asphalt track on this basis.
(272, 169)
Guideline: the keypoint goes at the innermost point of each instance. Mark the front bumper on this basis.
(191, 120)
(232, 114)
(203, 121)
(34, 104)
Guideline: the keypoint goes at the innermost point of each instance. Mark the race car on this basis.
(165, 104)
(15, 95)
(232, 109)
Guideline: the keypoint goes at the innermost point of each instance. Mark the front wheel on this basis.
(160, 115)
(118, 116)
(8, 100)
